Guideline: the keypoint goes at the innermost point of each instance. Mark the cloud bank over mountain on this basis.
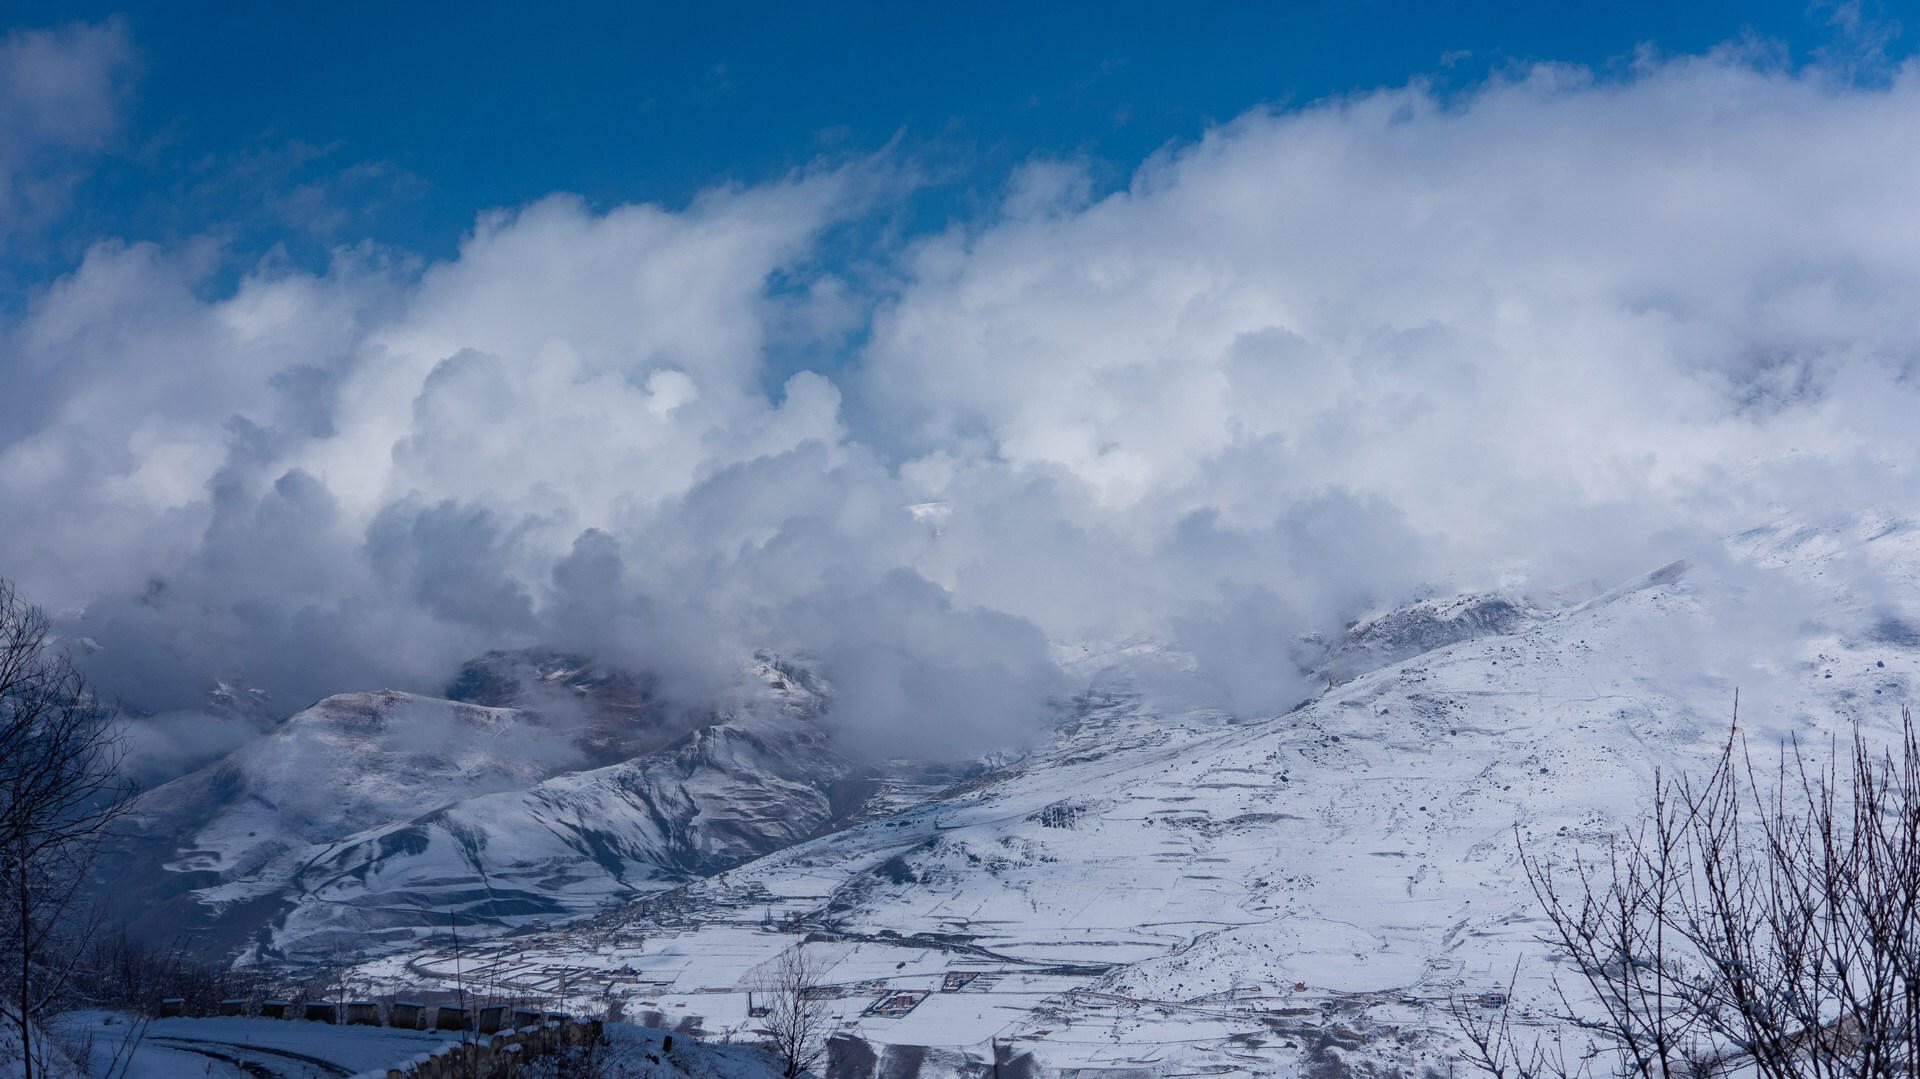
(1555, 331)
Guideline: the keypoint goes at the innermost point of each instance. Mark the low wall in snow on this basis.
(494, 1056)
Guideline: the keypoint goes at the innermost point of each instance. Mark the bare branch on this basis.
(1763, 922)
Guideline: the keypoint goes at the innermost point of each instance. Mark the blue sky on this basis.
(930, 347)
(410, 119)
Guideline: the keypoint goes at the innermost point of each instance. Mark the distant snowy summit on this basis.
(1421, 627)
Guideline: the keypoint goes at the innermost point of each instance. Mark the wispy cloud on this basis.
(62, 101)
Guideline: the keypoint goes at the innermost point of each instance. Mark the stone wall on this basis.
(494, 1056)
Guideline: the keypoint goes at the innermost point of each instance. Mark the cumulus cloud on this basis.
(1553, 332)
(1545, 333)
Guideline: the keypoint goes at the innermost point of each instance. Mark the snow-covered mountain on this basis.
(1420, 627)
(210, 850)
(210, 855)
(372, 819)
(1159, 891)
(760, 779)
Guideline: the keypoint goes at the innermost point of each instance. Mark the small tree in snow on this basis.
(797, 1019)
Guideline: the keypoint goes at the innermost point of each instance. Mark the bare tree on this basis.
(798, 1018)
(61, 787)
(1763, 921)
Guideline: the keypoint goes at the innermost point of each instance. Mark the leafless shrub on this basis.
(1495, 1047)
(116, 971)
(1763, 922)
(798, 1017)
(596, 1061)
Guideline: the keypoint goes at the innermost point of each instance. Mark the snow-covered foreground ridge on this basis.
(1158, 890)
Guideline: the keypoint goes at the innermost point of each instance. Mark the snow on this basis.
(640, 1052)
(237, 1048)
(236, 833)
(1160, 889)
(50, 1055)
(366, 814)
(228, 1047)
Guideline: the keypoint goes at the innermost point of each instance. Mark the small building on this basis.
(363, 1013)
(407, 1015)
(320, 1011)
(895, 1005)
(233, 1006)
(275, 1009)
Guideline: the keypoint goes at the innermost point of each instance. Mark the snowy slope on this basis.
(369, 820)
(212, 848)
(1422, 627)
(213, 853)
(1159, 891)
(760, 779)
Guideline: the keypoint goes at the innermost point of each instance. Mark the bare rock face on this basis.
(608, 715)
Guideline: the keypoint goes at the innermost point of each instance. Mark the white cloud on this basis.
(1535, 329)
(1555, 331)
